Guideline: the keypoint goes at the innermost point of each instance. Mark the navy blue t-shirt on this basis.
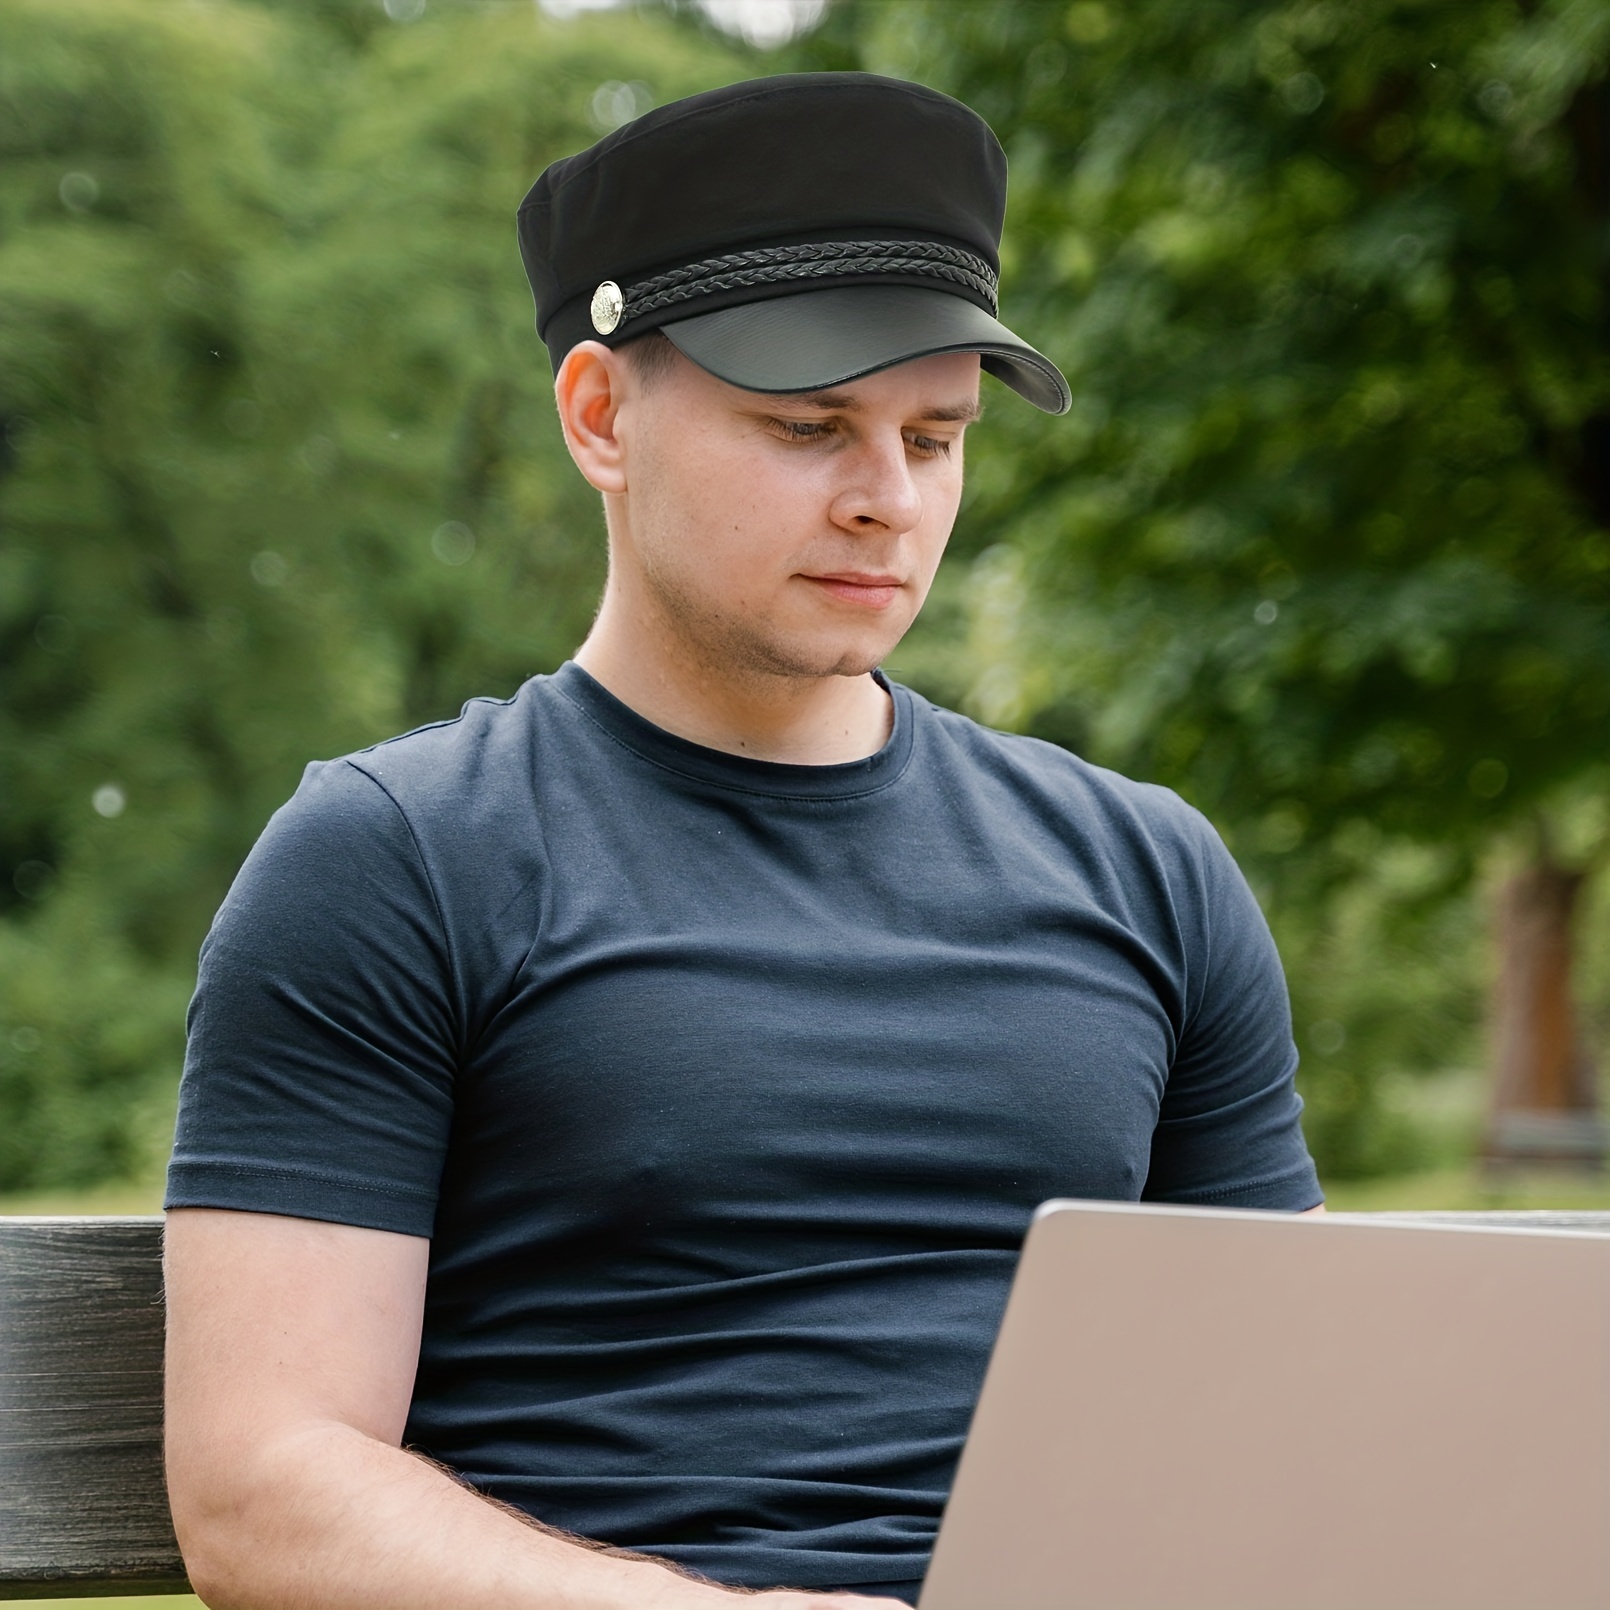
(725, 1091)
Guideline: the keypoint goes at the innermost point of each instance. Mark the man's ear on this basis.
(589, 389)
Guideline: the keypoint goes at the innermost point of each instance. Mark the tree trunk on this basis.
(1545, 1088)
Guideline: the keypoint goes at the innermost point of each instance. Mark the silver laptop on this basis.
(1192, 1409)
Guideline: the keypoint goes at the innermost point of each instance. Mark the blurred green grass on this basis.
(1467, 1188)
(165, 1602)
(122, 1196)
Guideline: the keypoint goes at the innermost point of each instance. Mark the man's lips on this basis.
(871, 591)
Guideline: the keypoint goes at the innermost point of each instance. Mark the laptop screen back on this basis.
(1200, 1410)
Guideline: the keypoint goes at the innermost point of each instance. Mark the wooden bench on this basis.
(83, 1508)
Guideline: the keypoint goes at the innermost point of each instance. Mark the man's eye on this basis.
(928, 447)
(800, 430)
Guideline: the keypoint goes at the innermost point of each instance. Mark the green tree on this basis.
(1324, 541)
(280, 478)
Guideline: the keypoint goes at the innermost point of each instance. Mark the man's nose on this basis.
(879, 492)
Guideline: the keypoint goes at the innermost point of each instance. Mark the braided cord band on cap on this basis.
(771, 265)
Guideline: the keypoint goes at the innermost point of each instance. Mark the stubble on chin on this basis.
(736, 645)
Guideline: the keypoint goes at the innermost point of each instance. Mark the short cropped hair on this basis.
(651, 356)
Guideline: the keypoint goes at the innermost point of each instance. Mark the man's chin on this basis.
(804, 656)
(842, 654)
(847, 662)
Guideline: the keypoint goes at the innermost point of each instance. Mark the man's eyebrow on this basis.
(964, 413)
(839, 402)
(846, 402)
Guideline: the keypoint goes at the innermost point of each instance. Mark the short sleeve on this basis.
(1229, 1132)
(318, 1077)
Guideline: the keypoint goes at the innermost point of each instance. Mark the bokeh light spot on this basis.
(78, 191)
(32, 879)
(54, 634)
(1327, 1036)
(1302, 93)
(615, 104)
(453, 543)
(269, 569)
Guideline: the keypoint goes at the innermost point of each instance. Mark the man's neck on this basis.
(802, 721)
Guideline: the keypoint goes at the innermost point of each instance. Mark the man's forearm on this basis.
(330, 1519)
(292, 1348)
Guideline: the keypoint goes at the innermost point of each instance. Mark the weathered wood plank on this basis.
(83, 1506)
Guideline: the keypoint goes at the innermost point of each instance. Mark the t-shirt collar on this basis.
(738, 772)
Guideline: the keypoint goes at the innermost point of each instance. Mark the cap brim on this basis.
(822, 338)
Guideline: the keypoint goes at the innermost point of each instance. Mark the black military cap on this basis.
(787, 234)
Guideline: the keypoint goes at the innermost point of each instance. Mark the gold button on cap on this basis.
(608, 305)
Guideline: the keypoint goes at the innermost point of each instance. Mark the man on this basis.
(611, 1117)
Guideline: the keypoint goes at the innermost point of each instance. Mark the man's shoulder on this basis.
(1046, 775)
(458, 780)
(440, 816)
(456, 754)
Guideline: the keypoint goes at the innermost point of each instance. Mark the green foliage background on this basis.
(281, 472)
(1323, 543)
